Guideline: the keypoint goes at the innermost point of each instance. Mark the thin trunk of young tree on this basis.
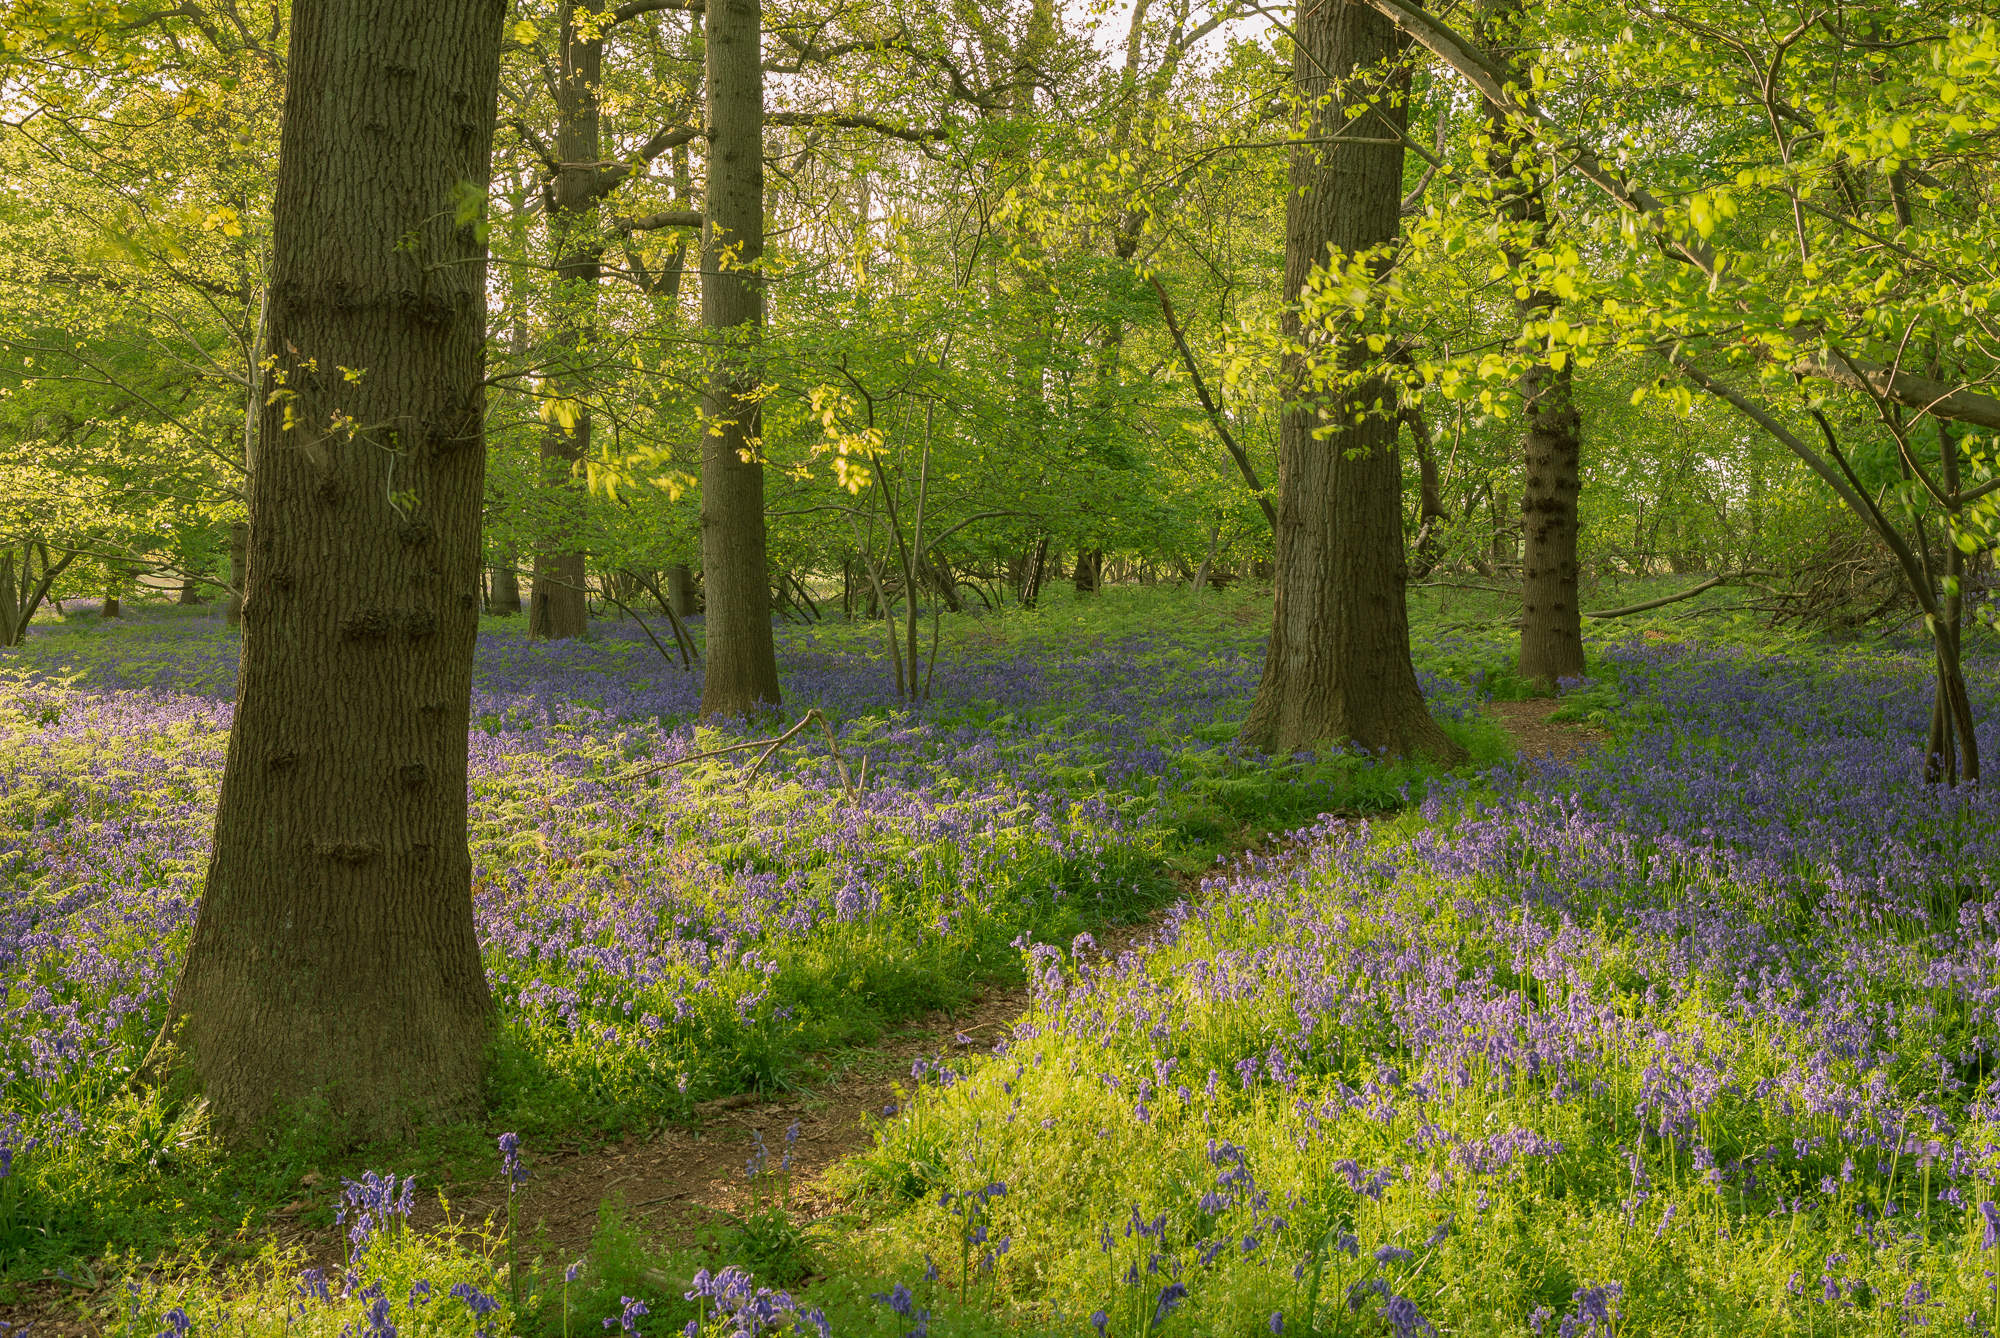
(1338, 664)
(334, 974)
(742, 675)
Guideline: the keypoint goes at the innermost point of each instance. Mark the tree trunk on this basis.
(1089, 570)
(1031, 589)
(680, 590)
(1431, 515)
(12, 624)
(334, 972)
(110, 608)
(1503, 534)
(20, 597)
(239, 565)
(190, 592)
(559, 605)
(742, 675)
(947, 583)
(1338, 664)
(506, 586)
(1552, 444)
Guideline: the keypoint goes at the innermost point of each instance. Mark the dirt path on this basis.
(676, 1184)
(1535, 735)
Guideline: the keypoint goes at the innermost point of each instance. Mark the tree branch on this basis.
(847, 122)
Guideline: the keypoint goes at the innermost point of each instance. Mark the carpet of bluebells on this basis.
(655, 936)
(1695, 1034)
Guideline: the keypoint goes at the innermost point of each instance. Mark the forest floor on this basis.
(679, 1185)
(682, 1183)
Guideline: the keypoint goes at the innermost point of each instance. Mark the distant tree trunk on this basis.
(333, 971)
(1552, 443)
(1431, 515)
(1338, 664)
(742, 675)
(21, 596)
(110, 608)
(190, 591)
(947, 583)
(239, 564)
(1031, 588)
(506, 600)
(1504, 555)
(680, 589)
(559, 606)
(1089, 570)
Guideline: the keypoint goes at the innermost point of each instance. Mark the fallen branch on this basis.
(848, 782)
(1685, 595)
(1664, 600)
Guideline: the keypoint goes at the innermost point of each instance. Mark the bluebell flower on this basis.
(900, 1299)
(510, 1160)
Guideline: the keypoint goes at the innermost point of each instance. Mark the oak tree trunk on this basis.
(334, 969)
(742, 673)
(1338, 664)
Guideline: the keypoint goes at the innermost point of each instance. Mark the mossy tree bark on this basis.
(334, 967)
(742, 671)
(1338, 663)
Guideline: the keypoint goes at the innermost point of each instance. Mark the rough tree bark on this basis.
(334, 972)
(1338, 663)
(239, 566)
(742, 674)
(1552, 440)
